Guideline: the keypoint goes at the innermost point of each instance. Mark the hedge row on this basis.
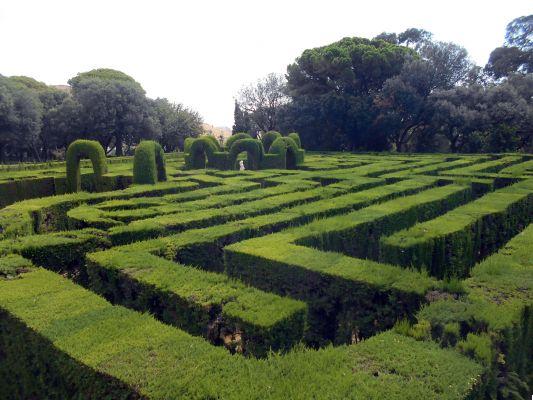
(451, 244)
(49, 213)
(203, 247)
(151, 227)
(486, 167)
(221, 309)
(357, 234)
(437, 167)
(96, 217)
(342, 292)
(78, 345)
(493, 322)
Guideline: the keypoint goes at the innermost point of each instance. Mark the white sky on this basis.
(201, 52)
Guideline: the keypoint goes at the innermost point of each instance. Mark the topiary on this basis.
(252, 147)
(238, 136)
(287, 150)
(187, 144)
(201, 148)
(214, 141)
(149, 163)
(269, 138)
(84, 149)
(294, 136)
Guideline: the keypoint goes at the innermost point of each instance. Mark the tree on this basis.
(241, 120)
(176, 122)
(114, 109)
(333, 86)
(20, 120)
(262, 100)
(516, 55)
(403, 103)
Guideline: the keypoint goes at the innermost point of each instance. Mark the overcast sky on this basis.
(201, 52)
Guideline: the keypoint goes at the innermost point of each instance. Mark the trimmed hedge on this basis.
(253, 149)
(222, 310)
(149, 163)
(451, 244)
(497, 304)
(268, 138)
(287, 151)
(233, 138)
(80, 346)
(84, 149)
(294, 136)
(201, 152)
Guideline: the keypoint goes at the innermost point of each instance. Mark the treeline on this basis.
(37, 122)
(402, 92)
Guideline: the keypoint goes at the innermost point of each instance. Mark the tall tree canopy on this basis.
(516, 55)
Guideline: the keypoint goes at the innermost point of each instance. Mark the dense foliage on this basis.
(403, 92)
(37, 122)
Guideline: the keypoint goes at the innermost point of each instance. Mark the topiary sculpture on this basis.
(84, 149)
(269, 138)
(149, 163)
(252, 147)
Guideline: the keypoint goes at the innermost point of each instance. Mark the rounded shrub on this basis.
(238, 136)
(149, 163)
(202, 148)
(84, 149)
(252, 147)
(294, 136)
(268, 138)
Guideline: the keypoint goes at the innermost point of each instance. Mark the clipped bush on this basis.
(287, 151)
(214, 141)
(84, 149)
(187, 144)
(294, 136)
(252, 147)
(202, 148)
(238, 136)
(268, 138)
(149, 163)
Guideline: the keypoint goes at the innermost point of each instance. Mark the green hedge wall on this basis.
(149, 163)
(84, 149)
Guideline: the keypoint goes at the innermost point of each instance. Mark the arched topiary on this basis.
(233, 138)
(287, 150)
(202, 148)
(84, 149)
(294, 136)
(187, 144)
(214, 141)
(149, 163)
(269, 138)
(252, 147)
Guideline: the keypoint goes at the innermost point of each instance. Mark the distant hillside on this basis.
(217, 131)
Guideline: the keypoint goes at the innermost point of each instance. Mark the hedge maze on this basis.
(364, 276)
